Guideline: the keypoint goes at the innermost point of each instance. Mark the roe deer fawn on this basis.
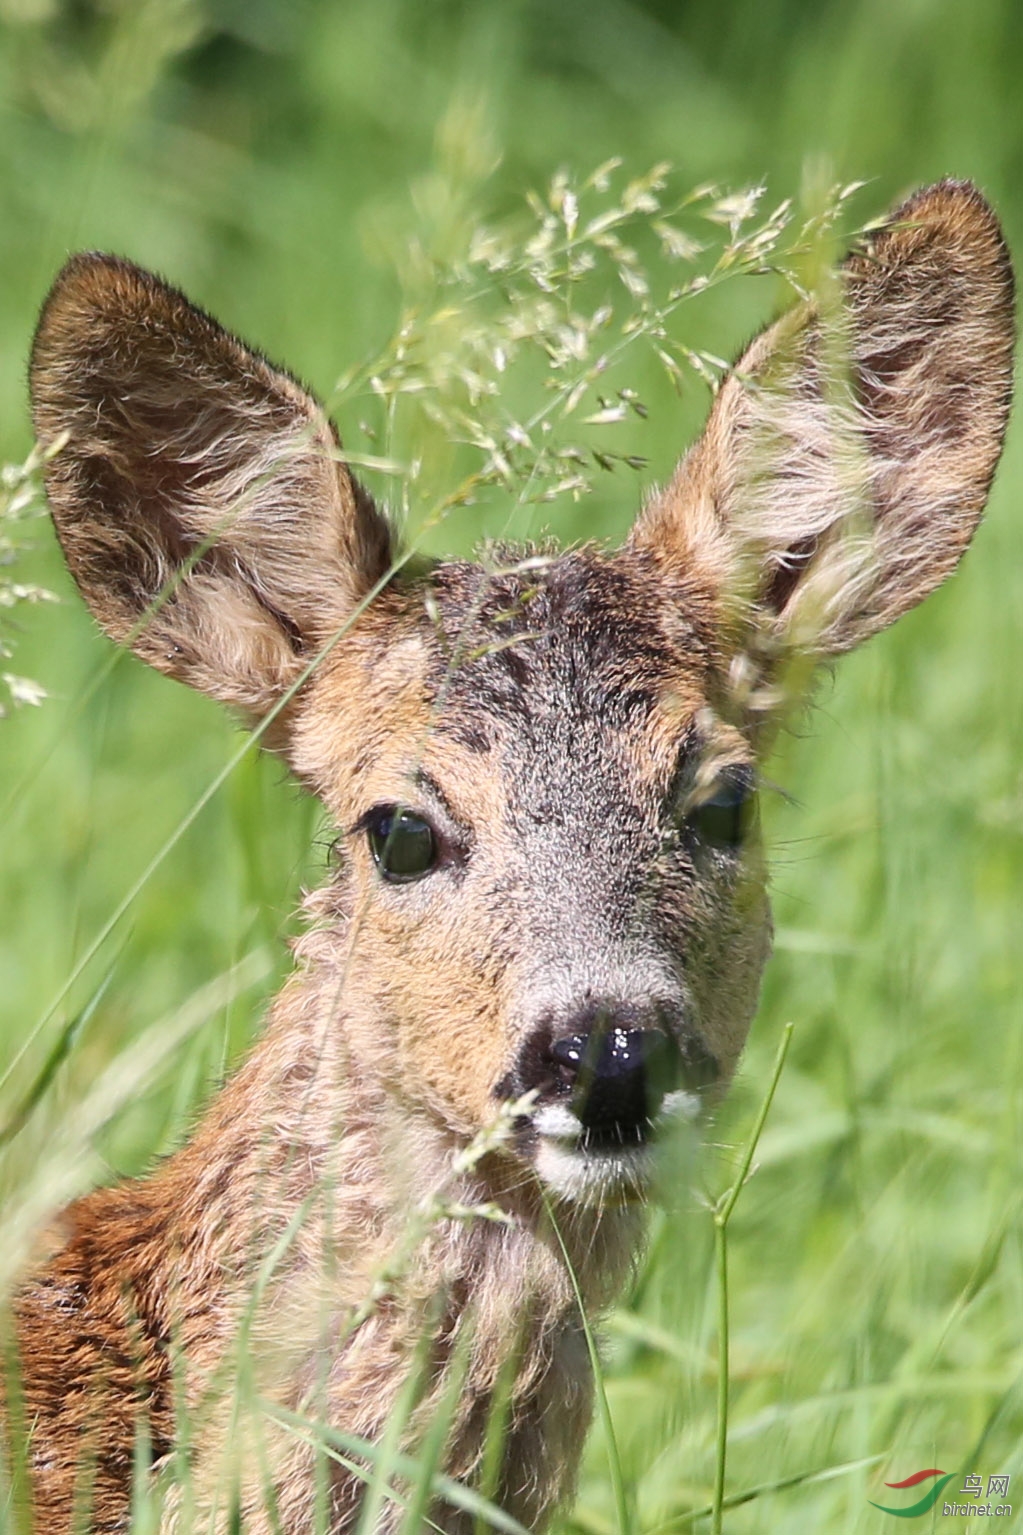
(552, 888)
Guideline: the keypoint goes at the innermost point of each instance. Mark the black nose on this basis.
(618, 1079)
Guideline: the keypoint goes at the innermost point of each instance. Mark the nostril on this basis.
(568, 1056)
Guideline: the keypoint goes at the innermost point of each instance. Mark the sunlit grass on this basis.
(875, 1258)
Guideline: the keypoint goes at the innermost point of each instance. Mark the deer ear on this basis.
(849, 454)
(197, 491)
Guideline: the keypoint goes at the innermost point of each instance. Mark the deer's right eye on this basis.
(724, 818)
(403, 845)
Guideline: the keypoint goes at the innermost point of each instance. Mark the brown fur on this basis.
(560, 726)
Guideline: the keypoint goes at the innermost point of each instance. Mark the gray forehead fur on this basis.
(584, 638)
(562, 666)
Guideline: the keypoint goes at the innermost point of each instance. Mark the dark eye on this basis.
(403, 844)
(724, 819)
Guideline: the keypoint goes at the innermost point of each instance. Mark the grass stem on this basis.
(722, 1213)
(614, 1460)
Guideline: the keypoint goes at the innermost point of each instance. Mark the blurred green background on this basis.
(271, 158)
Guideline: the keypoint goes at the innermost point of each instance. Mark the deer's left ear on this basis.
(849, 454)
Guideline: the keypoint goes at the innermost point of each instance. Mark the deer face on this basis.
(551, 873)
(544, 773)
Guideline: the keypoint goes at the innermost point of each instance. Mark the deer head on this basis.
(543, 771)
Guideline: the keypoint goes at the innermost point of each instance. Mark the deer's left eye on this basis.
(724, 819)
(403, 845)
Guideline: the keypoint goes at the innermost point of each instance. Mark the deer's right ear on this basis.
(198, 492)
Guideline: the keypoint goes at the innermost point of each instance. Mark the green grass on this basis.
(275, 160)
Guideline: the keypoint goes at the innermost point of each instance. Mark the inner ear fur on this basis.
(196, 489)
(848, 456)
